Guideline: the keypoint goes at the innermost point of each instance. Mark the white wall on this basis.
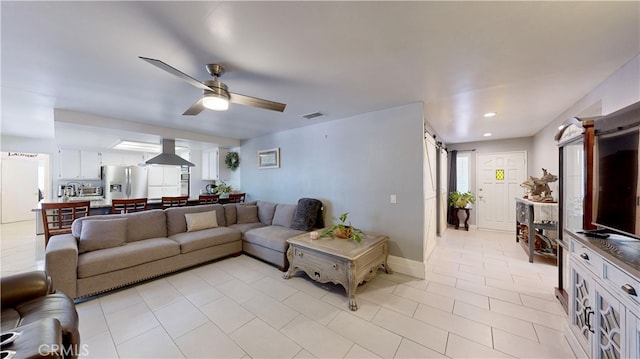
(352, 165)
(620, 90)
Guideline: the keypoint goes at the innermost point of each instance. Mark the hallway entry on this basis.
(498, 177)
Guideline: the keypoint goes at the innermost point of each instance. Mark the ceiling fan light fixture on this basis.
(215, 102)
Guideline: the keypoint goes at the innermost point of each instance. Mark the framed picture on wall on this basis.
(269, 158)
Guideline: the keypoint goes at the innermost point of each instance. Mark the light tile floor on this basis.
(481, 299)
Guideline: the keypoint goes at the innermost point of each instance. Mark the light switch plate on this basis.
(393, 198)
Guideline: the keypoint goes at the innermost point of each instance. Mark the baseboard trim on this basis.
(573, 343)
(407, 266)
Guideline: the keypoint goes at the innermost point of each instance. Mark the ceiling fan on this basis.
(216, 95)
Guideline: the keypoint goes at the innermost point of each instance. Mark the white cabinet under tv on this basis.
(604, 306)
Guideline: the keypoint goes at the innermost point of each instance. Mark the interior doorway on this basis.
(499, 176)
(23, 182)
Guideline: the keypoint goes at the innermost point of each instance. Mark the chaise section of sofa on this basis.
(267, 237)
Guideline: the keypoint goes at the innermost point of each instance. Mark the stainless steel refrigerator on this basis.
(121, 182)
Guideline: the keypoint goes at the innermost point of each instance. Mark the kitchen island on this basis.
(99, 205)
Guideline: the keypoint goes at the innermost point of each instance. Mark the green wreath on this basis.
(232, 160)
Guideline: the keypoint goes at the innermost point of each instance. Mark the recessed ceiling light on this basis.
(489, 114)
(487, 134)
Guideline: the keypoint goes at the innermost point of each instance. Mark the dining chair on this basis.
(58, 217)
(179, 201)
(236, 197)
(119, 206)
(208, 198)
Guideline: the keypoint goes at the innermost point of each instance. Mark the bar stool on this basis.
(128, 205)
(208, 198)
(236, 197)
(179, 201)
(58, 217)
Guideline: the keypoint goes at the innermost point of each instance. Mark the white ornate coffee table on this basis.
(337, 260)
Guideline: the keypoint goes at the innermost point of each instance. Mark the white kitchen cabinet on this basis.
(77, 164)
(163, 181)
(90, 163)
(213, 166)
(164, 176)
(122, 159)
(163, 191)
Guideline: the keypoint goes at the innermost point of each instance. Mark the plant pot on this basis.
(346, 233)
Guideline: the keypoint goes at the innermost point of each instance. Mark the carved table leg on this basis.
(386, 256)
(291, 270)
(351, 287)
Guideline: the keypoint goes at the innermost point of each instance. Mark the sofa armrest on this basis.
(61, 263)
(23, 287)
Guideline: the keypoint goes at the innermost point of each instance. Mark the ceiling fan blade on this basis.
(172, 70)
(195, 109)
(256, 102)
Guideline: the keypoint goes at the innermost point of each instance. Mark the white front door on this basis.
(19, 189)
(499, 176)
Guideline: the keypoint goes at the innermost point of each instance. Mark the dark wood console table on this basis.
(525, 217)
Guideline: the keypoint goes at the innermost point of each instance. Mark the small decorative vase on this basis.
(343, 234)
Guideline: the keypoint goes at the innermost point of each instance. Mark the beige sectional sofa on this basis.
(105, 252)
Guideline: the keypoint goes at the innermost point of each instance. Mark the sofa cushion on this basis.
(284, 214)
(306, 214)
(272, 237)
(247, 214)
(230, 214)
(101, 234)
(128, 255)
(140, 225)
(244, 227)
(266, 211)
(177, 223)
(202, 220)
(193, 241)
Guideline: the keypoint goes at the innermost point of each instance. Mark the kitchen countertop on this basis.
(98, 202)
(620, 250)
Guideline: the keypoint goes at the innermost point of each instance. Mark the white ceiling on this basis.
(527, 61)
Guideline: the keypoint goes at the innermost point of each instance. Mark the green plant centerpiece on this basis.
(232, 160)
(223, 189)
(461, 199)
(343, 230)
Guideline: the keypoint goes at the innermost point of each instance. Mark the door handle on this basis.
(584, 256)
(627, 288)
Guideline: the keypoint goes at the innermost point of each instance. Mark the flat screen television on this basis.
(617, 185)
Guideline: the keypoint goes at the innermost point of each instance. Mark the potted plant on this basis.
(223, 189)
(343, 230)
(460, 199)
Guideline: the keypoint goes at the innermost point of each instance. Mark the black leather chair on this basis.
(28, 299)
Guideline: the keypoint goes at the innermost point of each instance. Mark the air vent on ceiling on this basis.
(311, 116)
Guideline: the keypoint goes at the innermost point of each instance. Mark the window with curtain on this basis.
(462, 173)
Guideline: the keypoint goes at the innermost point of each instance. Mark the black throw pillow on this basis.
(306, 214)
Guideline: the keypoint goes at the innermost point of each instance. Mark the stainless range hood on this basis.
(168, 156)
